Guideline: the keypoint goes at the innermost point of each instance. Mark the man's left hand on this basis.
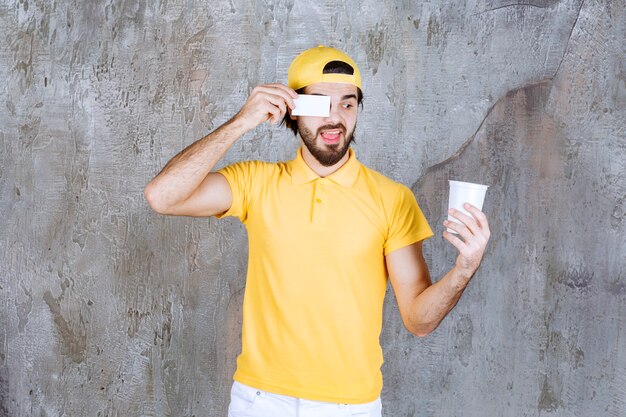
(475, 233)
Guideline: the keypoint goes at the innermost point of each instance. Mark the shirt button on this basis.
(258, 393)
(318, 200)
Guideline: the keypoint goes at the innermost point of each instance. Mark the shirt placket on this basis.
(320, 197)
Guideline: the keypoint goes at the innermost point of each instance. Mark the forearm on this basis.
(424, 305)
(432, 305)
(185, 171)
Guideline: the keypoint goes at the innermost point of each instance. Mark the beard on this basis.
(327, 155)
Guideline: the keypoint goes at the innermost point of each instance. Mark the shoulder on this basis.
(391, 196)
(384, 185)
(253, 168)
(252, 164)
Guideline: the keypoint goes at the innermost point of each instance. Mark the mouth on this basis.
(331, 136)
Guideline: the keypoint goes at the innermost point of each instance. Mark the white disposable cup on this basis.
(465, 192)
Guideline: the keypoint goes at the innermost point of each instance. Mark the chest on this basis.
(320, 217)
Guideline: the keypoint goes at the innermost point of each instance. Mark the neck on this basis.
(319, 169)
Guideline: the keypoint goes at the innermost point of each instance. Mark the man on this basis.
(324, 233)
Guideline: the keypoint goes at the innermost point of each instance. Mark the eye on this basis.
(347, 106)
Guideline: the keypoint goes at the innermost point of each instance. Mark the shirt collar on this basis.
(345, 176)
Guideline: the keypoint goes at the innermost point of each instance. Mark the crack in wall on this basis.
(569, 37)
(470, 140)
(512, 5)
(465, 144)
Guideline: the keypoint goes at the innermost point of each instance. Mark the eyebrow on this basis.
(346, 97)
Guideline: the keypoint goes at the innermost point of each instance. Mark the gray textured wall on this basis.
(108, 309)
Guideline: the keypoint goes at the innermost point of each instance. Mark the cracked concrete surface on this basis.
(520, 4)
(109, 309)
(569, 37)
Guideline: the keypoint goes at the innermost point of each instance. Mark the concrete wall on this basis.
(108, 309)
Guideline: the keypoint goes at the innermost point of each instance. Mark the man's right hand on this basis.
(186, 186)
(266, 102)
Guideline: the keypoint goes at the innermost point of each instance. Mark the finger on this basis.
(478, 215)
(275, 91)
(288, 90)
(461, 229)
(265, 109)
(266, 102)
(455, 241)
(282, 110)
(468, 221)
(277, 102)
(273, 115)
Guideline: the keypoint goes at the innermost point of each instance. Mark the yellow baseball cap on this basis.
(308, 68)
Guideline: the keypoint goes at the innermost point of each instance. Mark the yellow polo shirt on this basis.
(312, 309)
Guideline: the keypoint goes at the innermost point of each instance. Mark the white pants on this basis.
(246, 401)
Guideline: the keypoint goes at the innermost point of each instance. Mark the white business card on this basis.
(311, 105)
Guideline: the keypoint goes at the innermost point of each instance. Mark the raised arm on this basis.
(186, 186)
(424, 305)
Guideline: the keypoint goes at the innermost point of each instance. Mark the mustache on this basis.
(339, 126)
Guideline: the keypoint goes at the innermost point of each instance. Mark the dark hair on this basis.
(333, 67)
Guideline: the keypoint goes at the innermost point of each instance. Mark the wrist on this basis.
(462, 275)
(238, 125)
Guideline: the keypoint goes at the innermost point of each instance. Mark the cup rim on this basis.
(468, 185)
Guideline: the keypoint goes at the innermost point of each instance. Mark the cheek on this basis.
(307, 124)
(302, 122)
(351, 122)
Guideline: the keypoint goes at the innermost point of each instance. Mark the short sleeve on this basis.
(407, 223)
(239, 177)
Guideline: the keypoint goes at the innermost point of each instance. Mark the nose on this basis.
(333, 114)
